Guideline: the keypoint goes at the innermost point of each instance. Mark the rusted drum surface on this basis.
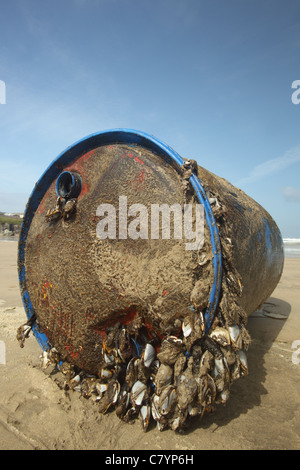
(91, 260)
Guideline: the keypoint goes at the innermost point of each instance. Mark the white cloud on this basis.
(291, 194)
(274, 165)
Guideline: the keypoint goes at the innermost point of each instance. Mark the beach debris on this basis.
(56, 212)
(164, 382)
(145, 414)
(69, 208)
(64, 208)
(45, 361)
(170, 374)
(221, 336)
(23, 331)
(148, 355)
(170, 378)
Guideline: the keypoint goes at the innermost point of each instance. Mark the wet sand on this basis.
(263, 411)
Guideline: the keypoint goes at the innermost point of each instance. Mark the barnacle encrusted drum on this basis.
(113, 287)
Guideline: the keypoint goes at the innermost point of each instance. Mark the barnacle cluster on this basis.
(64, 208)
(168, 381)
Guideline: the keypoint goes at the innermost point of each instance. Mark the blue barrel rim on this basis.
(82, 146)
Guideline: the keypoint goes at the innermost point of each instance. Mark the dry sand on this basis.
(263, 411)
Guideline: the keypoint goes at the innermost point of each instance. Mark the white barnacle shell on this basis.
(194, 410)
(145, 413)
(163, 377)
(106, 373)
(206, 362)
(138, 392)
(175, 423)
(207, 390)
(70, 205)
(109, 359)
(186, 328)
(149, 355)
(235, 336)
(167, 399)
(221, 336)
(116, 392)
(199, 320)
(221, 365)
(221, 373)
(45, 360)
(244, 362)
(223, 396)
(107, 356)
(203, 260)
(101, 388)
(155, 408)
(76, 380)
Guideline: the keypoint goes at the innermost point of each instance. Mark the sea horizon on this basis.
(291, 247)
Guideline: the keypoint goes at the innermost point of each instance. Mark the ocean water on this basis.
(291, 247)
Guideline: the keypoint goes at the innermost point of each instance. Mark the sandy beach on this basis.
(263, 411)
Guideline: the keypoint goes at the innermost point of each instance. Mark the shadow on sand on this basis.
(245, 393)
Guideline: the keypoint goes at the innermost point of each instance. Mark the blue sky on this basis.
(212, 79)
